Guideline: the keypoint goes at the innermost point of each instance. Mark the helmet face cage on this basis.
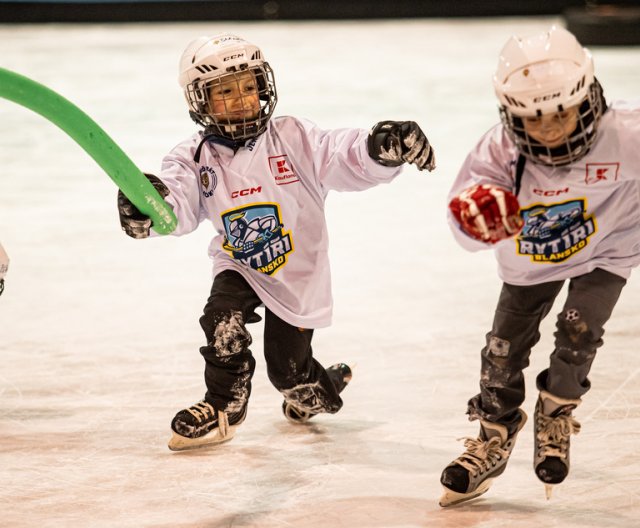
(574, 146)
(198, 93)
(549, 76)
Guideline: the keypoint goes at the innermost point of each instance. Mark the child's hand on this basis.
(133, 222)
(392, 143)
(487, 213)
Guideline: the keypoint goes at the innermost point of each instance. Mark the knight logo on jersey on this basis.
(597, 172)
(553, 233)
(282, 170)
(208, 179)
(256, 237)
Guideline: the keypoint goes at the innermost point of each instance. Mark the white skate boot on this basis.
(471, 474)
(553, 428)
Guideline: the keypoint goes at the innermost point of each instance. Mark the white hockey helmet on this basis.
(546, 74)
(206, 61)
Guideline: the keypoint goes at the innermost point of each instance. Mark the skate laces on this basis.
(481, 454)
(203, 410)
(554, 432)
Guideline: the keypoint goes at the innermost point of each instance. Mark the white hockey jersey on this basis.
(4, 262)
(266, 202)
(576, 218)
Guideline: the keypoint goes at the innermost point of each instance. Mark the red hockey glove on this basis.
(487, 213)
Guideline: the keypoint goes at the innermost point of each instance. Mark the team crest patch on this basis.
(553, 233)
(282, 170)
(255, 236)
(208, 181)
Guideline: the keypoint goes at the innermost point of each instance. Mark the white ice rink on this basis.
(99, 333)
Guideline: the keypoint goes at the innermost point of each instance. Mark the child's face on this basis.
(235, 98)
(552, 130)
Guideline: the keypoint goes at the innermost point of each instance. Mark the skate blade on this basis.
(548, 490)
(451, 498)
(182, 443)
(304, 416)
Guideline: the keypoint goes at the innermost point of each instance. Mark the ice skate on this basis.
(340, 375)
(202, 425)
(471, 474)
(553, 428)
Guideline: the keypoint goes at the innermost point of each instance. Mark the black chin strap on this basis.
(216, 139)
(205, 138)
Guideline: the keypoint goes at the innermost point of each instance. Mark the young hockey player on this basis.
(262, 181)
(553, 190)
(4, 267)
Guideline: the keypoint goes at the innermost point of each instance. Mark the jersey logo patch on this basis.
(597, 172)
(281, 170)
(256, 237)
(208, 181)
(553, 233)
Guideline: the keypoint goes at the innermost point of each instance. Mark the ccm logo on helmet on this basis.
(546, 97)
(246, 192)
(235, 56)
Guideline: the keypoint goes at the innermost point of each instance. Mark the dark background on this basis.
(194, 10)
(593, 22)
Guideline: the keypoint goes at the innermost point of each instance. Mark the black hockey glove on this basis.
(133, 222)
(392, 143)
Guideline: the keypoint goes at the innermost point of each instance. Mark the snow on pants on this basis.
(579, 329)
(229, 363)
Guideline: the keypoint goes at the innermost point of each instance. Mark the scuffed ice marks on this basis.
(303, 396)
(498, 347)
(230, 336)
(501, 369)
(240, 391)
(310, 397)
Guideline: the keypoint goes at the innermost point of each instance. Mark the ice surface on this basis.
(99, 333)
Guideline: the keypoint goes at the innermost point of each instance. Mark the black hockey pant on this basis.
(229, 363)
(579, 329)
